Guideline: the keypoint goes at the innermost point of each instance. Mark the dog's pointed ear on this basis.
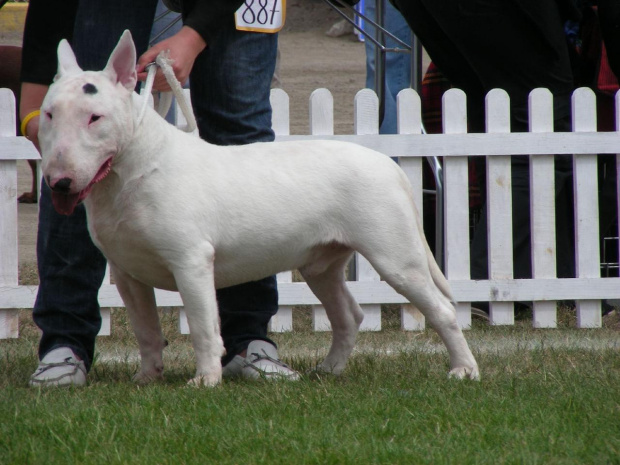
(121, 67)
(67, 64)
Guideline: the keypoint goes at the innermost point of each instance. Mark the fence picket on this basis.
(280, 115)
(321, 118)
(321, 112)
(499, 205)
(282, 321)
(542, 206)
(9, 323)
(585, 188)
(366, 121)
(365, 113)
(409, 121)
(106, 313)
(456, 200)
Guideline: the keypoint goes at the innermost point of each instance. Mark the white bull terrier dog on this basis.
(171, 211)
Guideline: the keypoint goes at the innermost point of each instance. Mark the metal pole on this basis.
(416, 64)
(380, 59)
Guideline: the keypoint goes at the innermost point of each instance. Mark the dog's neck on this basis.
(150, 135)
(140, 155)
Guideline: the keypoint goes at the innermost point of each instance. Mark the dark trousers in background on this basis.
(480, 45)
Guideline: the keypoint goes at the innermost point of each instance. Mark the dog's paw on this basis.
(465, 373)
(144, 377)
(209, 380)
(327, 368)
(316, 373)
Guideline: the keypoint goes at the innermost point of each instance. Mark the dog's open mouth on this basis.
(66, 203)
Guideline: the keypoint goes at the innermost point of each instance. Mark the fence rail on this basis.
(411, 147)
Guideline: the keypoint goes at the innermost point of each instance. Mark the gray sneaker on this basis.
(60, 367)
(261, 362)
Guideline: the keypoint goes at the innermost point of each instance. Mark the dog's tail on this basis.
(438, 277)
(436, 274)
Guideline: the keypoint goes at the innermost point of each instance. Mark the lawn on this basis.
(546, 396)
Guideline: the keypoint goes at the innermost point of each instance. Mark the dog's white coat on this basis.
(177, 213)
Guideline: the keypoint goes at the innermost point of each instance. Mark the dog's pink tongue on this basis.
(65, 203)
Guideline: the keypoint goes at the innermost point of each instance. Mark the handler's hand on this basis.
(184, 47)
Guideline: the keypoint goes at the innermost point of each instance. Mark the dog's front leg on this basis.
(195, 281)
(140, 302)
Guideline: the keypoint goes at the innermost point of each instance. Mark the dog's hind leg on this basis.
(142, 310)
(196, 284)
(441, 315)
(409, 274)
(326, 278)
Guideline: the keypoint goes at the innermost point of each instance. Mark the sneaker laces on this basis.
(67, 362)
(258, 357)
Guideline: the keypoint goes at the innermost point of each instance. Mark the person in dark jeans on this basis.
(230, 82)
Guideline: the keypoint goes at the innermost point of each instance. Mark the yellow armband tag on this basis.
(261, 15)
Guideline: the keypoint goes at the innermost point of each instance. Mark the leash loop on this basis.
(165, 63)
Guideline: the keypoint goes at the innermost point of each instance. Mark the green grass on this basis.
(546, 396)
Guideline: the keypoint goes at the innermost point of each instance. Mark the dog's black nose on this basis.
(62, 186)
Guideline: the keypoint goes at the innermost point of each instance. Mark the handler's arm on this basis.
(207, 17)
(202, 19)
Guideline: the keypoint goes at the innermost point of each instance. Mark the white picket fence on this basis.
(411, 147)
(12, 148)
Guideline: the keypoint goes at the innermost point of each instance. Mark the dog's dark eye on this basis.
(94, 118)
(48, 114)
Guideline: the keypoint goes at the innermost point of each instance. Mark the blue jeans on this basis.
(71, 268)
(397, 65)
(230, 87)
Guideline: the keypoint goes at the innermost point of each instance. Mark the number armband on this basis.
(261, 15)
